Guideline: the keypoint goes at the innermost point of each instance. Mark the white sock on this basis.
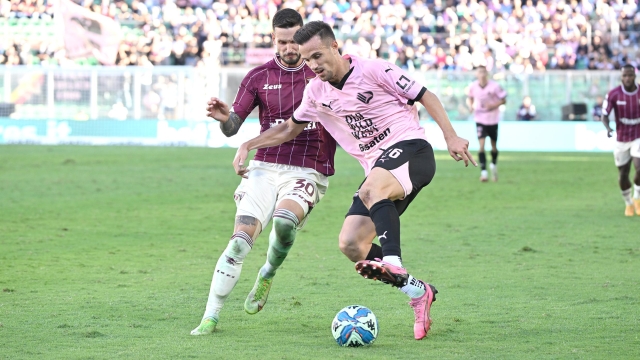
(281, 238)
(227, 272)
(636, 191)
(393, 260)
(626, 195)
(484, 173)
(414, 288)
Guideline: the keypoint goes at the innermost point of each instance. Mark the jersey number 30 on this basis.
(306, 185)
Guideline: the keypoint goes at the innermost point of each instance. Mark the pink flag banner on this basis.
(87, 33)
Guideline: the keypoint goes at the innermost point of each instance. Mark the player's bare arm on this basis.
(605, 122)
(218, 110)
(470, 103)
(458, 147)
(276, 135)
(231, 126)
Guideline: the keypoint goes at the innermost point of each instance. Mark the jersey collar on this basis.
(277, 60)
(340, 85)
(630, 93)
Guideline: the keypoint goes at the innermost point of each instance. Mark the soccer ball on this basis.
(354, 326)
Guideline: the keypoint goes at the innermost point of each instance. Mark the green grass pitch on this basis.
(108, 252)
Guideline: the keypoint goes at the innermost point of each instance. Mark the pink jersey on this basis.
(277, 91)
(484, 97)
(626, 108)
(369, 112)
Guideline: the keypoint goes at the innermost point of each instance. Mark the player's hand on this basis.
(217, 109)
(609, 132)
(239, 159)
(459, 150)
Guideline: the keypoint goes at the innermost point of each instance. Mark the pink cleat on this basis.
(421, 307)
(383, 271)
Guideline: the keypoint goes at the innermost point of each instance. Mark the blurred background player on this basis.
(285, 181)
(624, 101)
(527, 110)
(597, 109)
(368, 107)
(484, 99)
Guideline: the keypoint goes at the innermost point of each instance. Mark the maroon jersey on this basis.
(626, 107)
(277, 91)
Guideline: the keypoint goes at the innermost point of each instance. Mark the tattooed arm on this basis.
(229, 121)
(232, 125)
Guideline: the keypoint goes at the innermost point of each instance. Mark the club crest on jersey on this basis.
(272, 87)
(365, 97)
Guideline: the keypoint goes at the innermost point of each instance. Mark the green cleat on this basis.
(258, 295)
(206, 327)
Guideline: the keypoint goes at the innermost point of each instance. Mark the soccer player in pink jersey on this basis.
(484, 98)
(368, 106)
(285, 182)
(624, 101)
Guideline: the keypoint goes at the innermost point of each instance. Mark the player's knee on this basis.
(349, 247)
(369, 195)
(239, 245)
(365, 195)
(285, 230)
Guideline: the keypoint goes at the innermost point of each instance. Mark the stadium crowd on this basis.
(518, 35)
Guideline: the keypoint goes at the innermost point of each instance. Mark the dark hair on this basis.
(311, 29)
(625, 66)
(286, 19)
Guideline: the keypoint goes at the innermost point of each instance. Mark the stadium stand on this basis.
(522, 42)
(521, 36)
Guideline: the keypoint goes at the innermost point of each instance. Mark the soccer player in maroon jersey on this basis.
(284, 183)
(624, 101)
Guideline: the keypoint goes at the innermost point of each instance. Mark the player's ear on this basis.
(335, 46)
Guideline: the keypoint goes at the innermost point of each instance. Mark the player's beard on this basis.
(289, 59)
(327, 75)
(629, 85)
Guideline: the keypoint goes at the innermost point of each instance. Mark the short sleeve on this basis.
(399, 81)
(470, 91)
(306, 111)
(500, 92)
(247, 98)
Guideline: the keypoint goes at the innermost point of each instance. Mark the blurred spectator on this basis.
(596, 115)
(527, 111)
(513, 35)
